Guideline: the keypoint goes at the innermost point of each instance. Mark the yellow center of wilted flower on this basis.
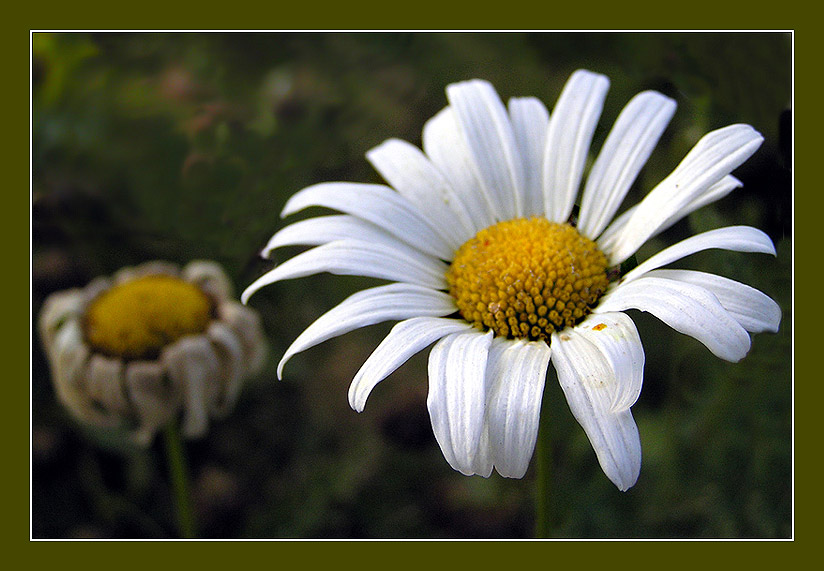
(136, 319)
(527, 278)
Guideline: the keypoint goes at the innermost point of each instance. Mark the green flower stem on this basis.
(179, 474)
(543, 460)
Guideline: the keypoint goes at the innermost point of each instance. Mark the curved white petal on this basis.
(608, 240)
(406, 339)
(488, 134)
(530, 119)
(735, 238)
(379, 205)
(192, 365)
(443, 143)
(590, 384)
(754, 310)
(370, 306)
(516, 371)
(229, 351)
(323, 229)
(69, 361)
(355, 257)
(457, 395)
(716, 155)
(410, 172)
(569, 135)
(685, 307)
(104, 384)
(155, 400)
(616, 337)
(626, 150)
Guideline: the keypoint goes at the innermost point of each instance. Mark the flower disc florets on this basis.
(135, 320)
(527, 277)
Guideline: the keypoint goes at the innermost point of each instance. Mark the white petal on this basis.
(716, 155)
(370, 306)
(156, 401)
(735, 238)
(69, 360)
(626, 150)
(379, 205)
(410, 172)
(488, 134)
(516, 373)
(444, 145)
(569, 135)
(322, 230)
(407, 338)
(229, 351)
(529, 123)
(358, 258)
(616, 337)
(608, 240)
(685, 307)
(247, 326)
(104, 385)
(457, 395)
(193, 366)
(210, 277)
(755, 311)
(58, 309)
(590, 383)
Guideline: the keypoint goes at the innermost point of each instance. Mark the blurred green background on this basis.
(179, 146)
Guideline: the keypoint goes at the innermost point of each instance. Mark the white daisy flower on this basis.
(153, 341)
(475, 233)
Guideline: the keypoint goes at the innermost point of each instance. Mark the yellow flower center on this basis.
(136, 319)
(527, 278)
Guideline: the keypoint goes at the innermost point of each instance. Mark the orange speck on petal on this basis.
(599, 327)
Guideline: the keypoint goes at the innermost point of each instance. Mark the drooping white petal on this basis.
(410, 172)
(323, 229)
(626, 150)
(69, 360)
(735, 238)
(406, 339)
(355, 257)
(717, 191)
(229, 351)
(590, 385)
(457, 395)
(443, 143)
(379, 205)
(716, 155)
(754, 310)
(156, 401)
(530, 119)
(192, 365)
(104, 384)
(685, 307)
(210, 277)
(488, 134)
(58, 309)
(569, 135)
(516, 373)
(370, 306)
(616, 337)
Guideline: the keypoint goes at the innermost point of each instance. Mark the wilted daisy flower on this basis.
(154, 340)
(476, 231)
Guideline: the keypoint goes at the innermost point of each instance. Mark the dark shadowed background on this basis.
(180, 146)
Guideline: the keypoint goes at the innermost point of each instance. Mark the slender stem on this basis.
(179, 474)
(543, 461)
